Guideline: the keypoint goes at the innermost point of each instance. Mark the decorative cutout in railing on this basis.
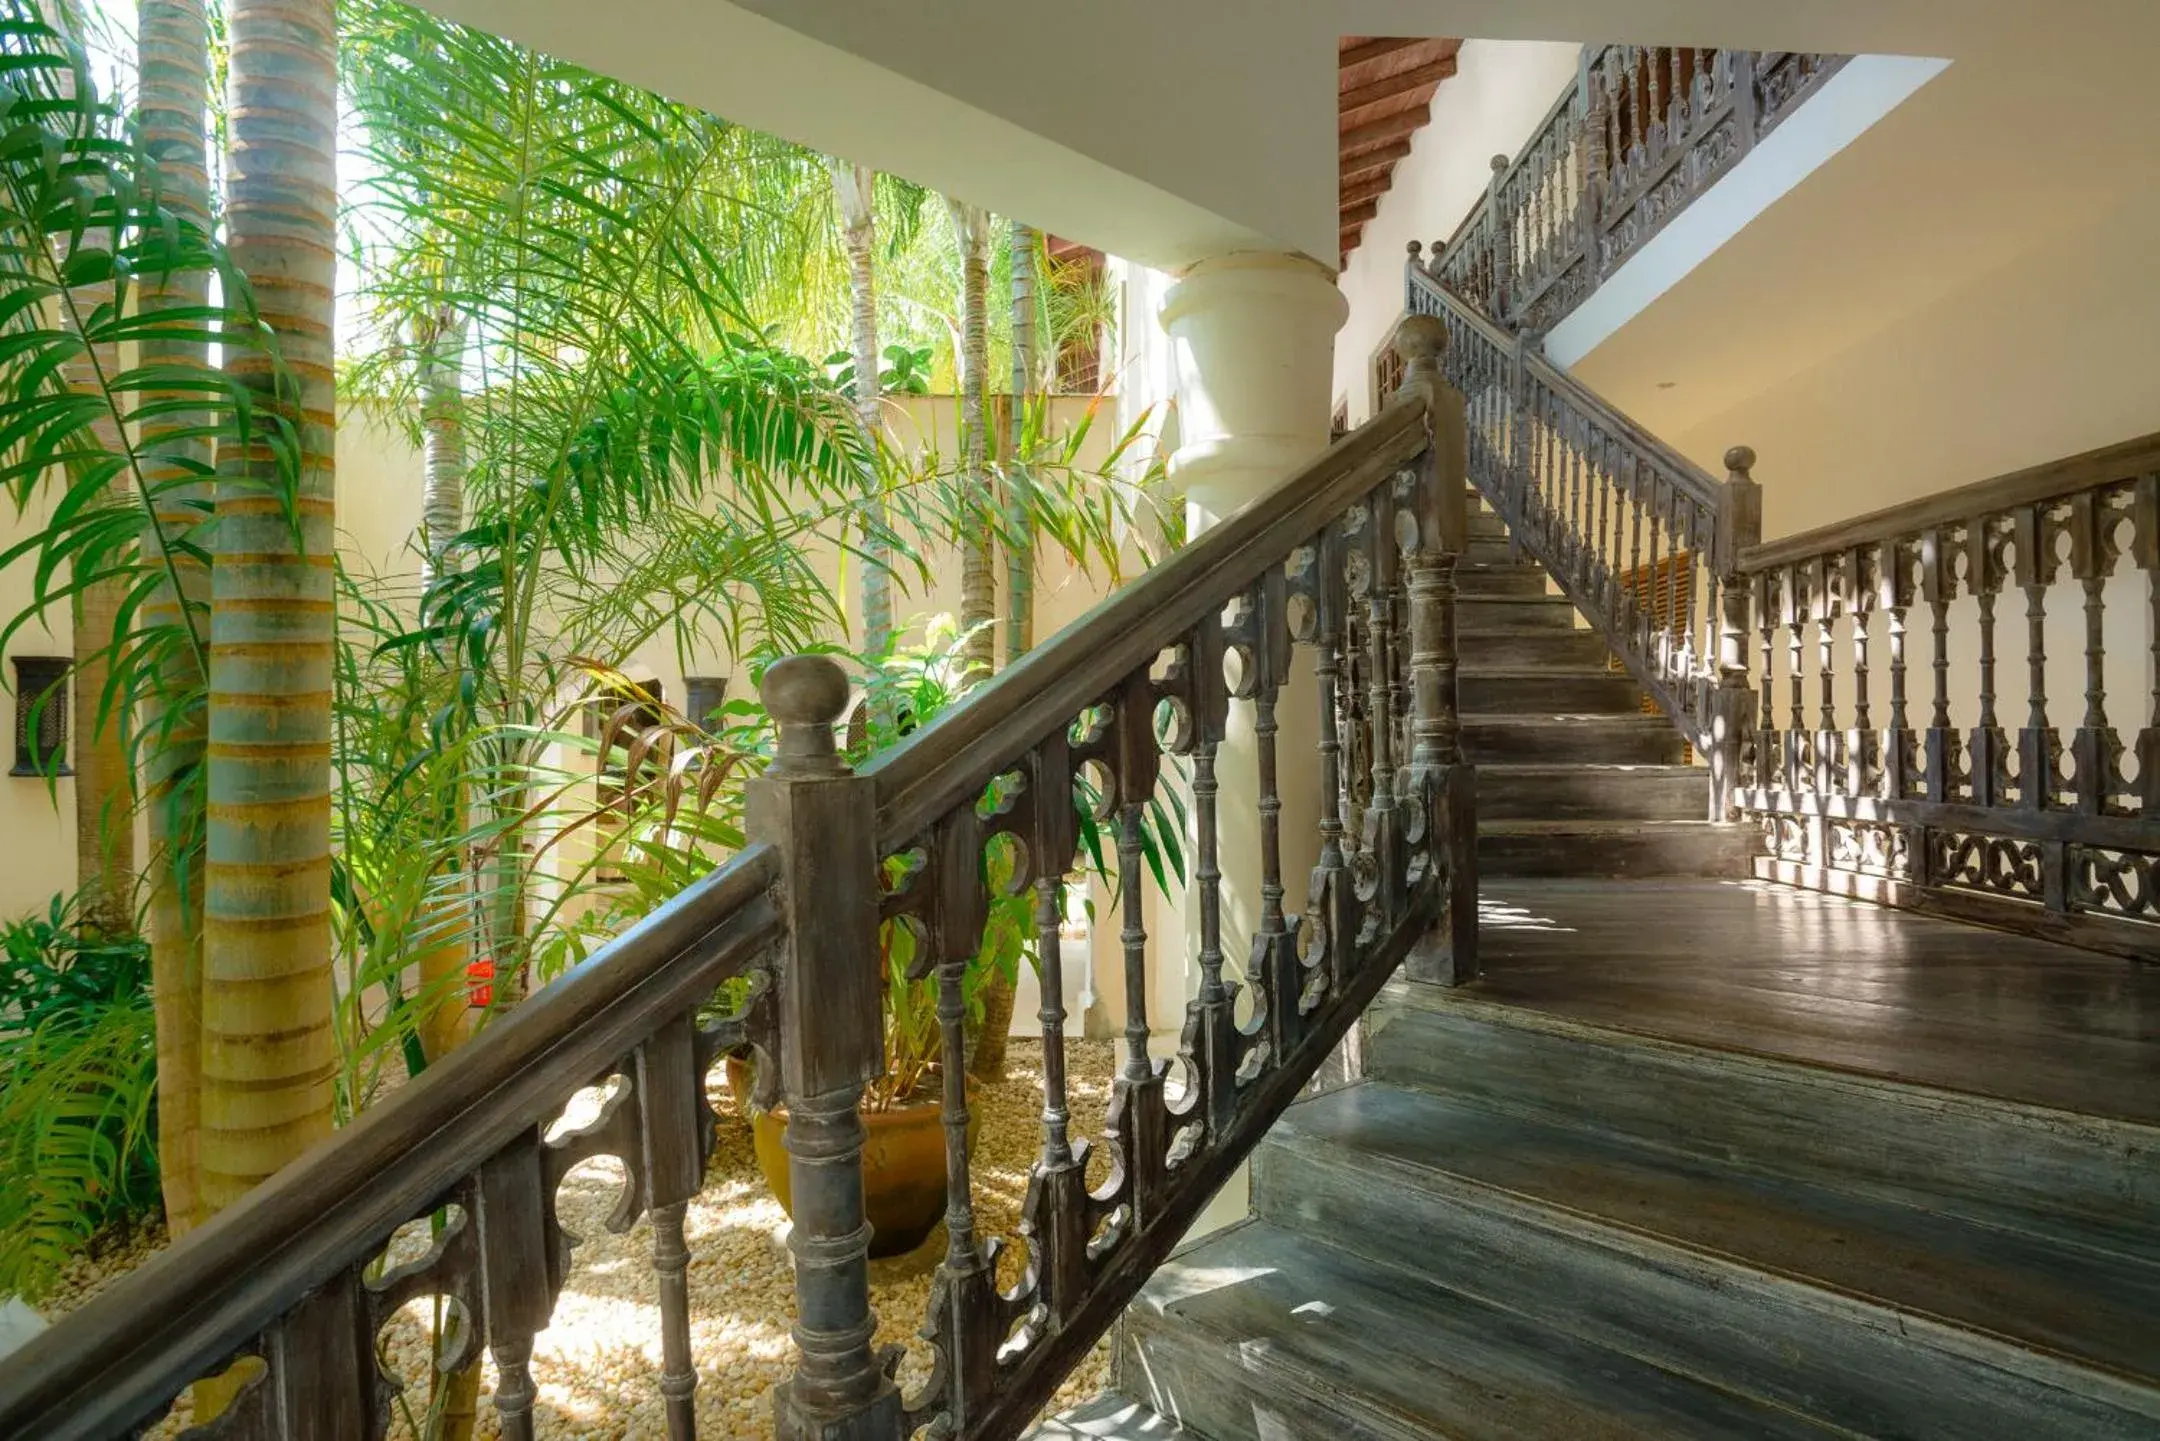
(1644, 131)
(2046, 827)
(1350, 563)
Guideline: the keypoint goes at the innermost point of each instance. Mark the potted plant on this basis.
(904, 1156)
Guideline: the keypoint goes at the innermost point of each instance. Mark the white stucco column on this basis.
(1252, 339)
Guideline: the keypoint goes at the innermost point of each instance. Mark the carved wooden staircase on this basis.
(1522, 1226)
(1574, 778)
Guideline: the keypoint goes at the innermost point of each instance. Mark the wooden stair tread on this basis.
(1261, 1333)
(2092, 1308)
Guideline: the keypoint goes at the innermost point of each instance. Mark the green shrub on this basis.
(78, 1084)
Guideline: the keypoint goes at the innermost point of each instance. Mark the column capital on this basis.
(1254, 333)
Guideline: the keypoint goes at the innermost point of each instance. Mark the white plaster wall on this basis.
(1499, 93)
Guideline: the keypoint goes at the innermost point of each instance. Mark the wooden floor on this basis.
(1815, 978)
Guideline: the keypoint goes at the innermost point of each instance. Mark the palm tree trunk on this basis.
(104, 810)
(1026, 375)
(446, 958)
(269, 1062)
(173, 44)
(978, 586)
(988, 1062)
(854, 188)
(104, 821)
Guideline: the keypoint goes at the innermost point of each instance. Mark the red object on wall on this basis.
(480, 975)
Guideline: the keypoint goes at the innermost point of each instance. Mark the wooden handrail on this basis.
(951, 759)
(2054, 480)
(120, 1359)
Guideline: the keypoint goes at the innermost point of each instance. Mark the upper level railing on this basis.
(1350, 567)
(1644, 131)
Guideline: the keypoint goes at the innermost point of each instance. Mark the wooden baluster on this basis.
(1990, 747)
(964, 1314)
(1860, 742)
(1137, 1121)
(1768, 770)
(1793, 584)
(1823, 603)
(2038, 746)
(821, 818)
(1636, 591)
(1653, 621)
(1055, 1224)
(1638, 107)
(2096, 749)
(1612, 507)
(1331, 893)
(1503, 248)
(1896, 598)
(2145, 516)
(519, 1273)
(671, 1127)
(1686, 549)
(1382, 826)
(1659, 133)
(1938, 587)
(1274, 958)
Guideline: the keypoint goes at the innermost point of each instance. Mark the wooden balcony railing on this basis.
(1350, 566)
(1645, 130)
(1938, 799)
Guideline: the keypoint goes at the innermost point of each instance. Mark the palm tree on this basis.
(104, 815)
(269, 1058)
(855, 192)
(173, 43)
(978, 587)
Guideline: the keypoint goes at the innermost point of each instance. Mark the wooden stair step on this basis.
(1583, 739)
(1882, 1319)
(1528, 612)
(1535, 792)
(1260, 1334)
(1526, 647)
(1472, 581)
(1546, 690)
(1613, 848)
(2090, 1179)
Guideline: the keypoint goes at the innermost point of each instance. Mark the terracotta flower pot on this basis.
(903, 1164)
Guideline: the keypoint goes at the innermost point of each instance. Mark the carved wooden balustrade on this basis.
(1927, 793)
(1643, 132)
(1348, 569)
(1641, 540)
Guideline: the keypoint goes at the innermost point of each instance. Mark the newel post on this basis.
(1732, 707)
(821, 818)
(1440, 774)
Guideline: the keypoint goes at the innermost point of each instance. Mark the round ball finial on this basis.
(1416, 248)
(1500, 163)
(1420, 340)
(1741, 458)
(804, 690)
